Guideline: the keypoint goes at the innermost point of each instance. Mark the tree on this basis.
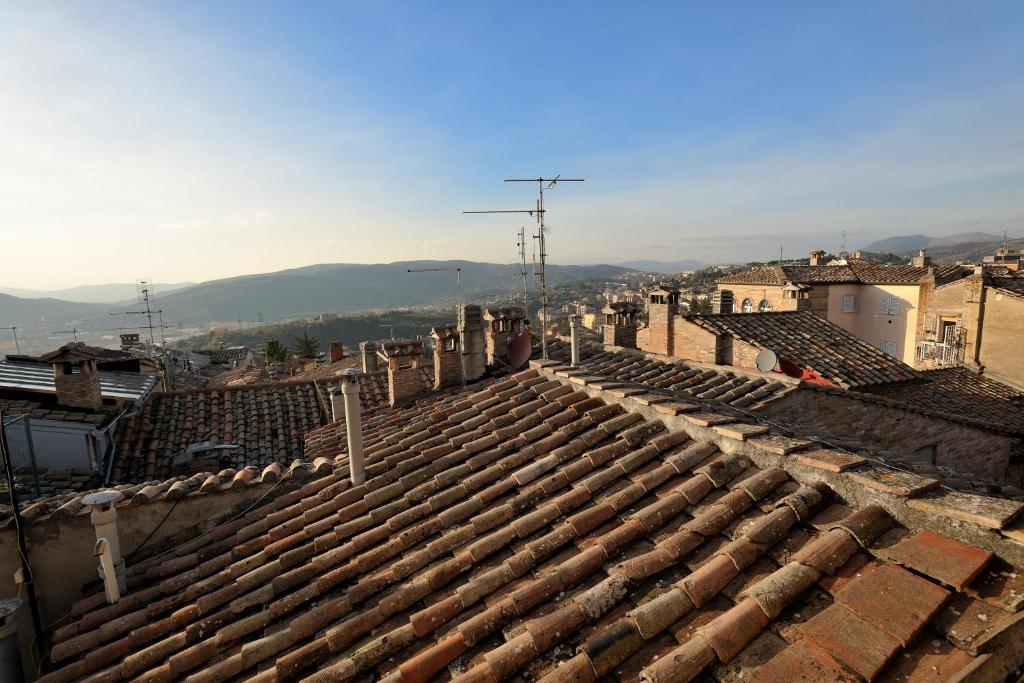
(306, 346)
(274, 351)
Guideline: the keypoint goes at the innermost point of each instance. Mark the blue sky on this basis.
(182, 141)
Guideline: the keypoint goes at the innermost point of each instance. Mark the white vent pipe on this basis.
(353, 425)
(108, 546)
(574, 327)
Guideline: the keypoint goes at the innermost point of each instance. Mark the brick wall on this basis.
(78, 390)
(620, 335)
(854, 423)
(404, 384)
(738, 353)
(694, 342)
(446, 366)
(661, 319)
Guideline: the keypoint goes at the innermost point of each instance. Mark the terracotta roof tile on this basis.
(585, 539)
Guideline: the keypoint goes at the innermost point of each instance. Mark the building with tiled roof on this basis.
(882, 304)
(548, 529)
(977, 321)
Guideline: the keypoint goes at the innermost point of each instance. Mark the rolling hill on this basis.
(904, 244)
(110, 293)
(298, 292)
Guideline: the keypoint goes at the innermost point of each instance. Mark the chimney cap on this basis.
(103, 497)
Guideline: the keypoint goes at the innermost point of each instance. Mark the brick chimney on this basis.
(662, 308)
(620, 324)
(405, 376)
(368, 351)
(503, 325)
(337, 351)
(447, 368)
(75, 375)
(922, 260)
(817, 258)
(474, 345)
(721, 301)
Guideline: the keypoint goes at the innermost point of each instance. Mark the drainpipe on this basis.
(574, 327)
(108, 546)
(10, 655)
(353, 425)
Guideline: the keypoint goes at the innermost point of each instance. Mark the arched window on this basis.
(765, 305)
(748, 306)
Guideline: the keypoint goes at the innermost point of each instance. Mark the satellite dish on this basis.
(519, 350)
(766, 360)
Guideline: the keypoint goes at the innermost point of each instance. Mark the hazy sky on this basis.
(179, 141)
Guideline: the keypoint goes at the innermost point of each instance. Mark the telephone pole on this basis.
(538, 213)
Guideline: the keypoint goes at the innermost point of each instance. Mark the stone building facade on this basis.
(404, 359)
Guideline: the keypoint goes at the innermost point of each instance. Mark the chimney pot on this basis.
(353, 426)
(104, 520)
(574, 331)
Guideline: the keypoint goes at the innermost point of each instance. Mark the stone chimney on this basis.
(368, 351)
(405, 375)
(620, 324)
(662, 308)
(857, 255)
(721, 301)
(75, 375)
(922, 260)
(474, 345)
(503, 325)
(447, 351)
(817, 258)
(337, 351)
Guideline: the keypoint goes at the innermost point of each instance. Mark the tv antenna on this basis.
(14, 331)
(73, 331)
(538, 213)
(522, 254)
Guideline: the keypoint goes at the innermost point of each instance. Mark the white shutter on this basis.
(885, 304)
(894, 305)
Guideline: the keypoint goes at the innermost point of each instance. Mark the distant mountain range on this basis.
(96, 294)
(664, 266)
(294, 293)
(911, 243)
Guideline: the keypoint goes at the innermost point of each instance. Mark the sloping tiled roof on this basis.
(531, 529)
(810, 341)
(717, 384)
(856, 271)
(267, 422)
(34, 376)
(39, 410)
(964, 396)
(225, 355)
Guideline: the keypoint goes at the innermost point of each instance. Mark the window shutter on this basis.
(885, 304)
(894, 305)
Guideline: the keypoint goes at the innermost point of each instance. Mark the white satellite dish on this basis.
(766, 360)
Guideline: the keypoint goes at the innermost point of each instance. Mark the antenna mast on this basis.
(14, 330)
(540, 237)
(522, 255)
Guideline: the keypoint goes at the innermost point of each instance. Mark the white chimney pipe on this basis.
(353, 425)
(107, 570)
(337, 404)
(104, 519)
(574, 327)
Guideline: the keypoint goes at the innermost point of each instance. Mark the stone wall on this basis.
(854, 422)
(368, 351)
(1002, 335)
